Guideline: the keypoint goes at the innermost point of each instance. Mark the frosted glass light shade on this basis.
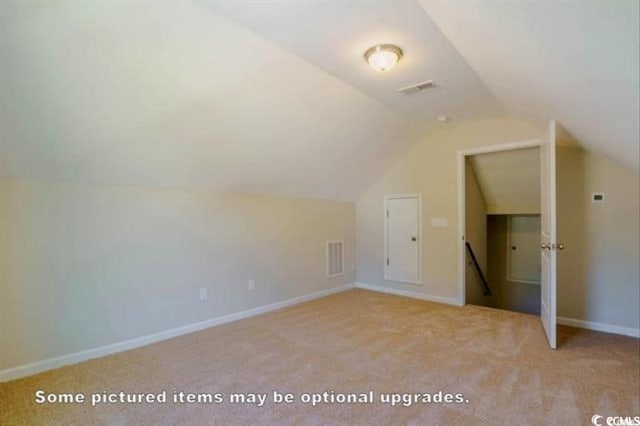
(383, 57)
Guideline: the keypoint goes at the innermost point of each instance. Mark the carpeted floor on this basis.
(354, 342)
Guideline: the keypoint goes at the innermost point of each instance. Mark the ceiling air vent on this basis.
(415, 88)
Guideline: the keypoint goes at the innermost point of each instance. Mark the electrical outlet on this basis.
(203, 294)
(252, 285)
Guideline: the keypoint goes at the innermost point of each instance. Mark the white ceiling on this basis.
(171, 94)
(509, 180)
(333, 35)
(275, 97)
(575, 62)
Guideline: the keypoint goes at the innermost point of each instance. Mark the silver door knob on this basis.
(545, 247)
(560, 246)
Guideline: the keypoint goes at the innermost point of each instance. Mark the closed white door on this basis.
(402, 230)
(524, 249)
(548, 234)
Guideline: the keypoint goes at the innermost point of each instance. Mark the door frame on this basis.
(386, 232)
(462, 218)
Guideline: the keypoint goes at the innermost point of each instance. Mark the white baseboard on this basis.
(589, 325)
(599, 326)
(51, 363)
(406, 293)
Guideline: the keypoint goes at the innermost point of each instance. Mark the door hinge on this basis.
(387, 212)
(387, 261)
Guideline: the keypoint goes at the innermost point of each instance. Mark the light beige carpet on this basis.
(356, 341)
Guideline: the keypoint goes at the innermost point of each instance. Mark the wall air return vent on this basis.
(420, 87)
(335, 258)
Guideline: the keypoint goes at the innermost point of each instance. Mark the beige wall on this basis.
(88, 265)
(598, 271)
(476, 235)
(598, 277)
(430, 168)
(509, 295)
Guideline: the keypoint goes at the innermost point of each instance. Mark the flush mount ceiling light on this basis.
(383, 57)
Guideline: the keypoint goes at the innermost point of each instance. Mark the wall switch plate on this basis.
(252, 285)
(439, 222)
(203, 294)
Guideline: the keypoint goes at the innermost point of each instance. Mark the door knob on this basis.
(414, 239)
(545, 247)
(560, 246)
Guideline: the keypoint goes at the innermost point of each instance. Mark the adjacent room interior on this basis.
(502, 230)
(293, 212)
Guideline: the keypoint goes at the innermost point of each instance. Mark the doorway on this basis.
(549, 246)
(502, 229)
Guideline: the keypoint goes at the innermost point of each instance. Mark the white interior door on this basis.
(524, 249)
(402, 232)
(548, 234)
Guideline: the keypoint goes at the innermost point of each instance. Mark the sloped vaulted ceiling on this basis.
(509, 180)
(171, 94)
(575, 62)
(275, 97)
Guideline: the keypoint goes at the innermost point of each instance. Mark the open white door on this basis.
(548, 234)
